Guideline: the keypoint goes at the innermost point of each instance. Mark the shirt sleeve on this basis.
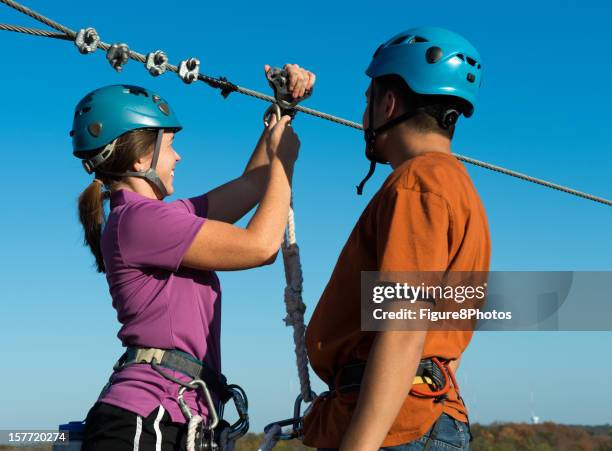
(157, 234)
(195, 205)
(413, 231)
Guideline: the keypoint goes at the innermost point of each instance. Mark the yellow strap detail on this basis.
(422, 380)
(146, 355)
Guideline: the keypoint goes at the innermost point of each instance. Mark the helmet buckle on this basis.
(88, 166)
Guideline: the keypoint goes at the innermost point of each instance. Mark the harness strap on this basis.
(180, 361)
(430, 371)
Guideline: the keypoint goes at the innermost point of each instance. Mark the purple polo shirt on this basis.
(159, 303)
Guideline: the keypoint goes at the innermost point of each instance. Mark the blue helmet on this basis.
(105, 114)
(432, 61)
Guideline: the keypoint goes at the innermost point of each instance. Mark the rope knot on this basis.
(157, 62)
(118, 55)
(189, 70)
(87, 40)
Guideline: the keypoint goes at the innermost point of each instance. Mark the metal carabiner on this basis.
(288, 422)
(272, 109)
(213, 418)
(296, 422)
(241, 402)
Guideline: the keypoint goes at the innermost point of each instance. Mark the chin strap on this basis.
(150, 175)
(445, 117)
(370, 134)
(367, 177)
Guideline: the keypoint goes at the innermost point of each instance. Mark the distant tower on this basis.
(534, 418)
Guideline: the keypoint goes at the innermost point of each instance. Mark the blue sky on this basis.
(544, 109)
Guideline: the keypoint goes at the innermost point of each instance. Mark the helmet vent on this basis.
(164, 108)
(407, 39)
(433, 54)
(417, 40)
(471, 61)
(136, 91)
(398, 40)
(95, 129)
(83, 110)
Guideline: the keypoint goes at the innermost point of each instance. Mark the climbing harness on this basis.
(433, 372)
(228, 87)
(217, 434)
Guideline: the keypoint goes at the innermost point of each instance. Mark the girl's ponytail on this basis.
(91, 215)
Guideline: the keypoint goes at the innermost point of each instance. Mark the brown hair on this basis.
(408, 99)
(129, 148)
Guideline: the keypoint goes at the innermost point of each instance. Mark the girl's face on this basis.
(166, 162)
(168, 158)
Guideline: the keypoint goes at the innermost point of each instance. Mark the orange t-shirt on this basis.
(427, 216)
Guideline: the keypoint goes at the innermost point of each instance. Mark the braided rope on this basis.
(295, 306)
(227, 87)
(192, 428)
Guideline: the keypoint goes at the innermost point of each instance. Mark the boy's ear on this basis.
(390, 104)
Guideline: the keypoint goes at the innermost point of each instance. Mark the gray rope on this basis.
(34, 31)
(227, 87)
(531, 179)
(39, 17)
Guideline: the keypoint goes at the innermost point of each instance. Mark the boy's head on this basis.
(393, 97)
(428, 76)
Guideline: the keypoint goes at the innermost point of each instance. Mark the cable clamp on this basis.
(189, 70)
(118, 55)
(157, 62)
(87, 40)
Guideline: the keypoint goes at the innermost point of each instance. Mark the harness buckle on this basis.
(146, 355)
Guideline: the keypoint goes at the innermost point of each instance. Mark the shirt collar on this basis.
(123, 196)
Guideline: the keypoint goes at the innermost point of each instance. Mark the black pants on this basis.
(112, 428)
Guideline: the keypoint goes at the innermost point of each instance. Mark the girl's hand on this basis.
(300, 79)
(282, 140)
